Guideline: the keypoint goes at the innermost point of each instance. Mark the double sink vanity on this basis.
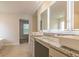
(60, 30)
(55, 45)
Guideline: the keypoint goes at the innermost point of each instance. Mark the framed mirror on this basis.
(43, 21)
(58, 16)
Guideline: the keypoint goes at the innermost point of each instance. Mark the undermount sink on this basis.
(51, 40)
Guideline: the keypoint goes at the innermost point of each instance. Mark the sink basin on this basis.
(51, 40)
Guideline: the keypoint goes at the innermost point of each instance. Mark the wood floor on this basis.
(15, 51)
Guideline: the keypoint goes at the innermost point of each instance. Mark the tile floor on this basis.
(15, 51)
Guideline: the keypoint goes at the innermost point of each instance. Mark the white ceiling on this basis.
(19, 7)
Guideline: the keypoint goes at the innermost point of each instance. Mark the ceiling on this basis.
(19, 7)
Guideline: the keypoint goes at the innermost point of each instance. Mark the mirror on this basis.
(58, 16)
(43, 21)
(76, 15)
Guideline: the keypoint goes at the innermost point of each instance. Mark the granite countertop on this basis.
(48, 40)
(50, 43)
(53, 45)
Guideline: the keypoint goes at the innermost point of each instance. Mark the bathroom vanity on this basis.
(61, 41)
(55, 46)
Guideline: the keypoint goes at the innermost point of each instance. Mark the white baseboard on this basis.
(6, 44)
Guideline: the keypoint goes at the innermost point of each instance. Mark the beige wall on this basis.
(76, 21)
(34, 22)
(76, 15)
(9, 26)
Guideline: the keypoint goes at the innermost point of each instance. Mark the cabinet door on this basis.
(59, 54)
(51, 52)
(55, 53)
(40, 50)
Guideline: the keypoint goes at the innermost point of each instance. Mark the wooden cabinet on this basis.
(32, 46)
(55, 53)
(40, 50)
(51, 52)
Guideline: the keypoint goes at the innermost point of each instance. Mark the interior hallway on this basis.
(15, 51)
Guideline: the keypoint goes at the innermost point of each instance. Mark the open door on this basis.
(24, 30)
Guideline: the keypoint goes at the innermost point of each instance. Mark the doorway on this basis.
(24, 31)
